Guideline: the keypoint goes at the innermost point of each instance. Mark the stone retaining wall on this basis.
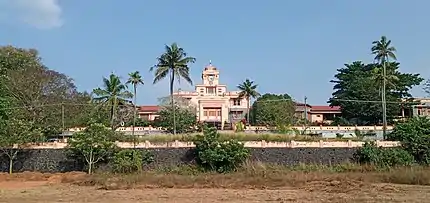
(57, 160)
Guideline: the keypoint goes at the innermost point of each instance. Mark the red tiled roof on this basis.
(148, 108)
(325, 108)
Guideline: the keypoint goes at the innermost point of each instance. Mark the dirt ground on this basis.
(45, 191)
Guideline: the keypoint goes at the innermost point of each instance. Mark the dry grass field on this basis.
(258, 184)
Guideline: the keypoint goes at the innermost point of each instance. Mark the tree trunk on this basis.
(172, 80)
(113, 114)
(10, 165)
(134, 119)
(90, 162)
(247, 115)
(384, 102)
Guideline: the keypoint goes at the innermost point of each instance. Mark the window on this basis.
(236, 102)
(212, 113)
(219, 113)
(318, 115)
(210, 90)
(205, 113)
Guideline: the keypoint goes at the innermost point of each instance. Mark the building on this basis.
(218, 106)
(421, 109)
(214, 102)
(149, 113)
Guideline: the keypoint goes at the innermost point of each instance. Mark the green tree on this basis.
(186, 119)
(273, 110)
(94, 144)
(174, 62)
(427, 87)
(113, 95)
(357, 93)
(248, 90)
(383, 51)
(14, 135)
(135, 79)
(36, 93)
(414, 135)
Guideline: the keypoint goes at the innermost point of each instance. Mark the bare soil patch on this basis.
(79, 194)
(245, 186)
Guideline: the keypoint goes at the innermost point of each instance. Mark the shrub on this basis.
(414, 135)
(94, 144)
(130, 160)
(239, 127)
(216, 155)
(383, 157)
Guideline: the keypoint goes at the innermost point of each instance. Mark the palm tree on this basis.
(174, 62)
(113, 94)
(135, 79)
(248, 90)
(383, 51)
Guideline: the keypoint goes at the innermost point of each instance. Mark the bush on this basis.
(94, 144)
(216, 155)
(130, 160)
(383, 157)
(414, 135)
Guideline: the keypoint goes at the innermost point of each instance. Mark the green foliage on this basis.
(94, 144)
(14, 134)
(339, 135)
(383, 157)
(356, 81)
(113, 95)
(173, 63)
(131, 160)
(216, 155)
(186, 120)
(248, 90)
(414, 135)
(427, 87)
(273, 110)
(38, 94)
(239, 127)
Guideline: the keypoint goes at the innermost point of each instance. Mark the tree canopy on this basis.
(358, 93)
(248, 90)
(37, 94)
(273, 110)
(173, 63)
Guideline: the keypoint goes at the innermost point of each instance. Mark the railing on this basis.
(248, 144)
(263, 128)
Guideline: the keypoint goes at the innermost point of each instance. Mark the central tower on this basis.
(210, 75)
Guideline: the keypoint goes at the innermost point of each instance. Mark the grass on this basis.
(262, 176)
(236, 136)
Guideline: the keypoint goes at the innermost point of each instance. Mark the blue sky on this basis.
(289, 47)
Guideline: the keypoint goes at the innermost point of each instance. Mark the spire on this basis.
(210, 62)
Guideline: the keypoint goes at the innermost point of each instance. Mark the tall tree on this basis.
(135, 79)
(383, 51)
(273, 110)
(114, 94)
(174, 62)
(36, 93)
(248, 90)
(357, 93)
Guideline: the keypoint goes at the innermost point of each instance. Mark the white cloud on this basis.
(42, 14)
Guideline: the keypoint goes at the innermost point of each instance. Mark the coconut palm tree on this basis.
(113, 94)
(248, 90)
(383, 51)
(174, 63)
(135, 79)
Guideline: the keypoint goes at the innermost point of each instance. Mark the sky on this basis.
(286, 46)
